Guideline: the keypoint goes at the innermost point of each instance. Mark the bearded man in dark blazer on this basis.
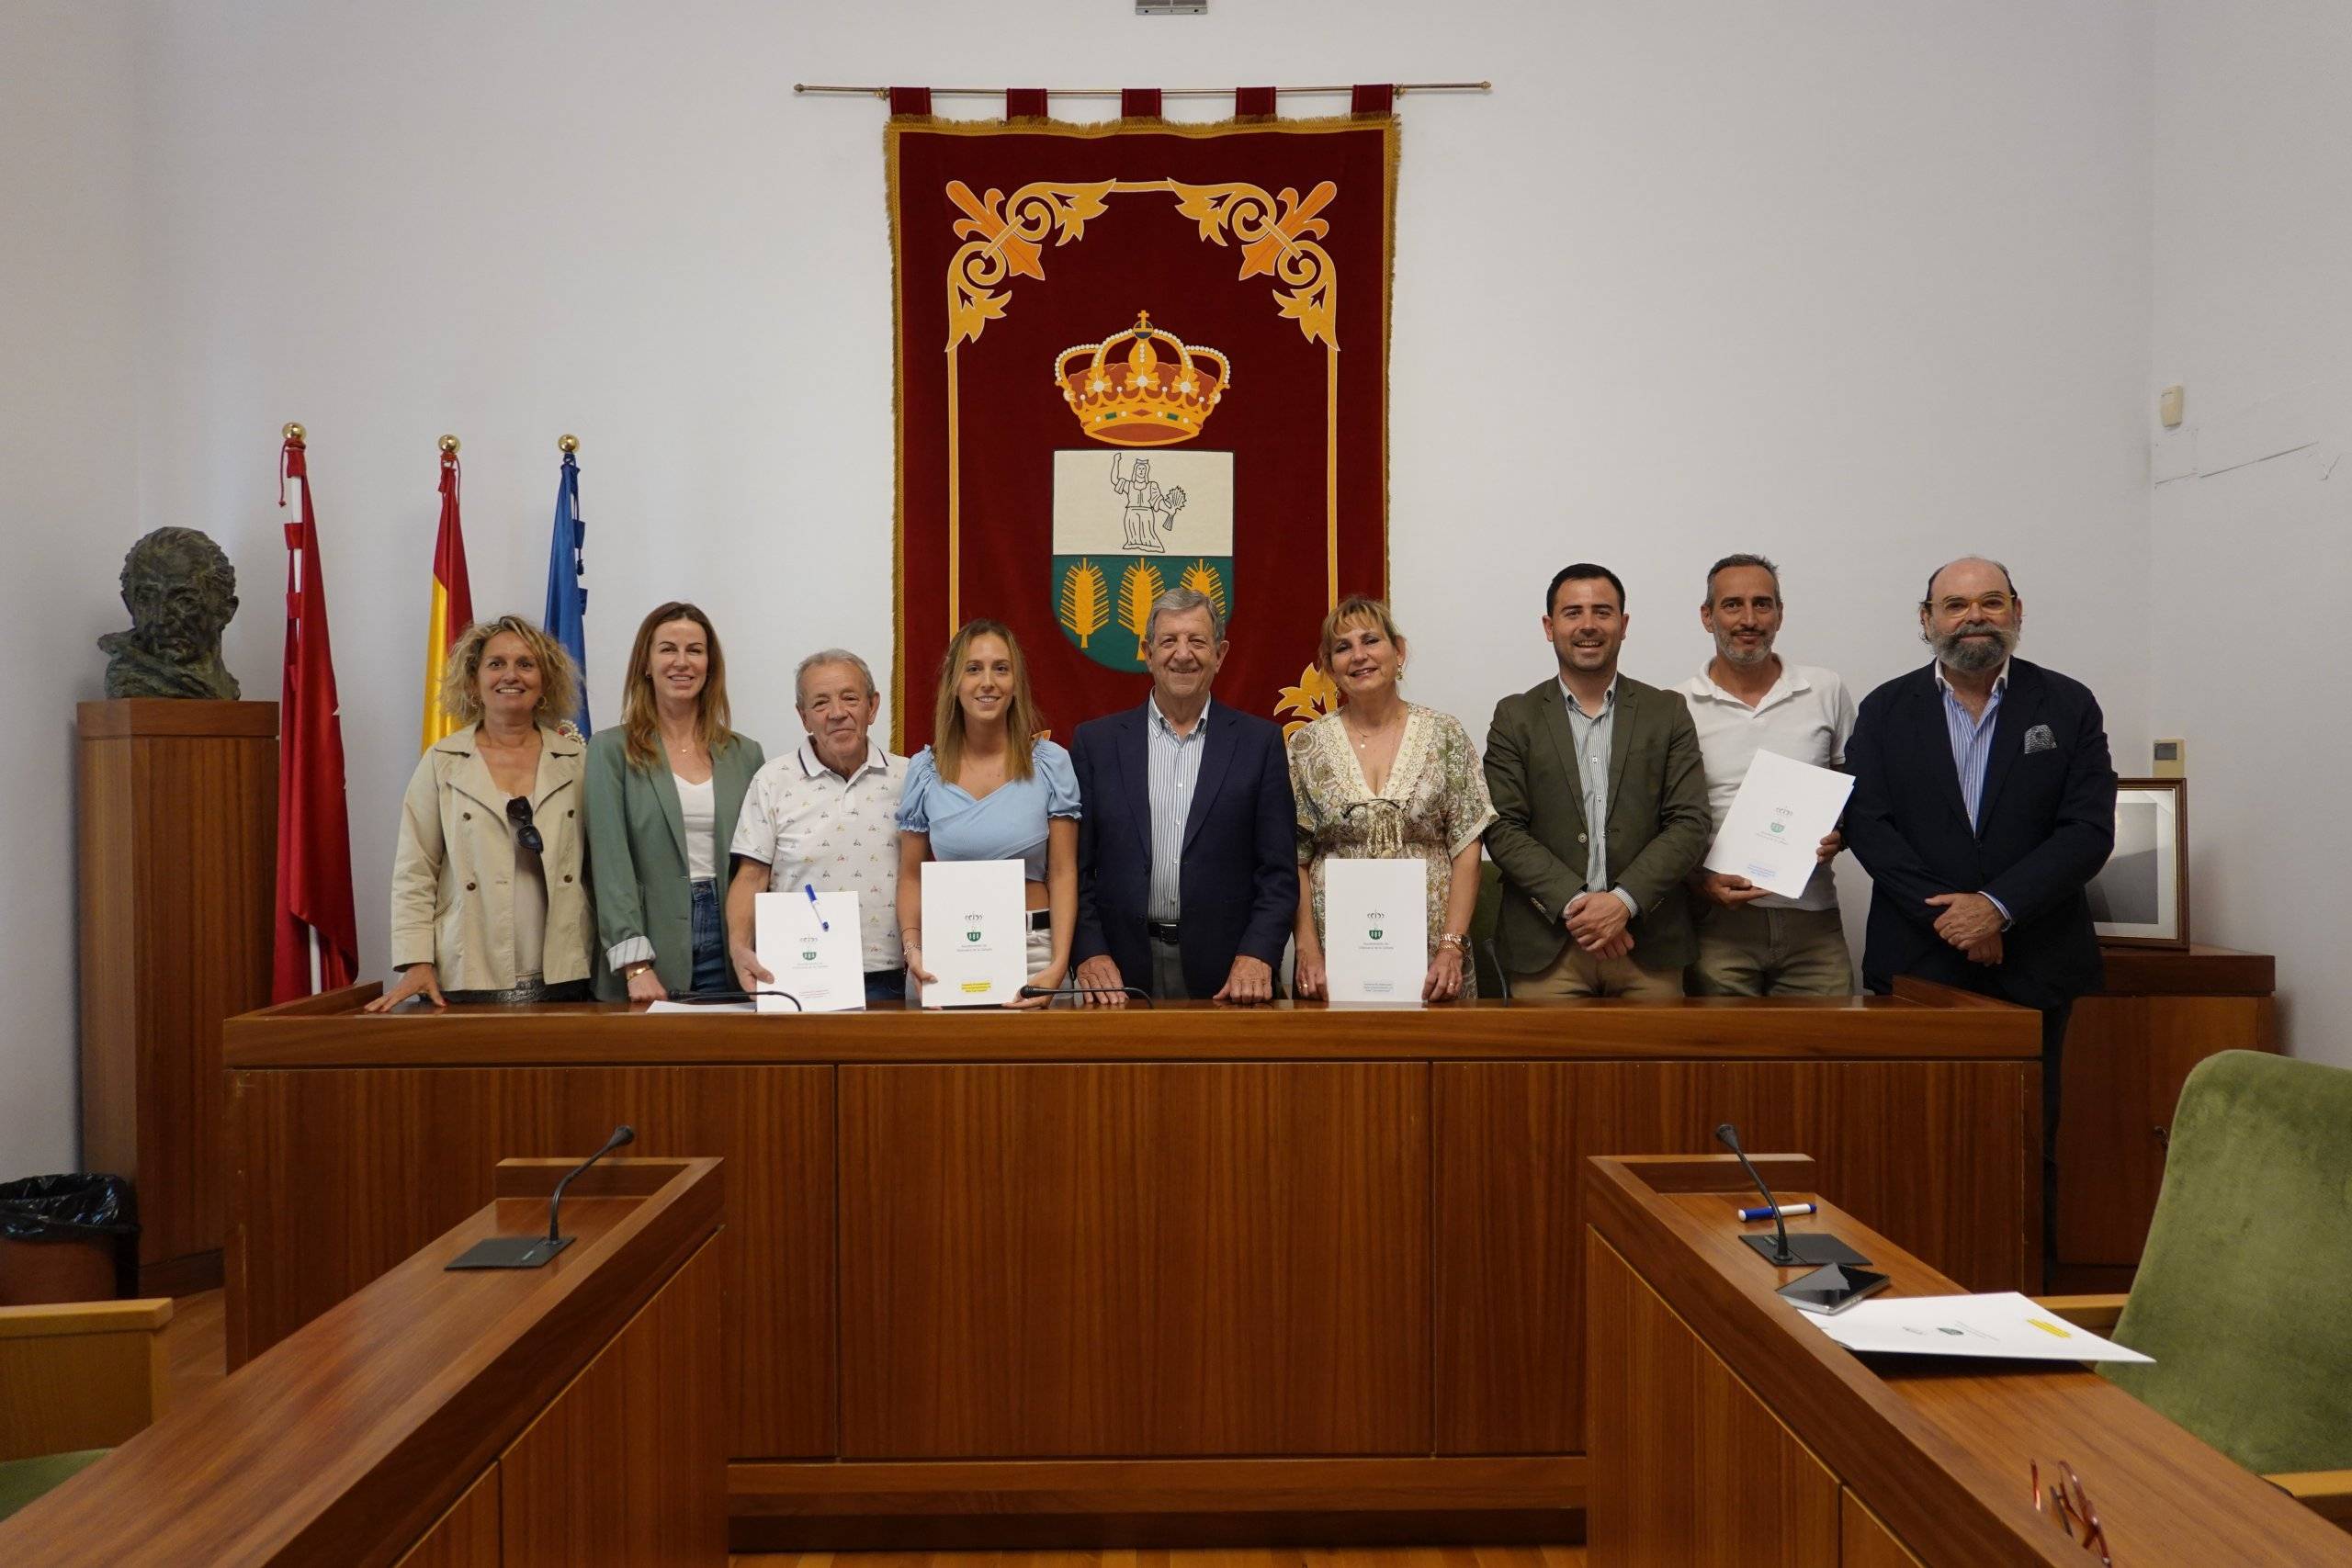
(1601, 805)
(1984, 804)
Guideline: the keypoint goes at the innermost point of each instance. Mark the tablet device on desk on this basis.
(1832, 1288)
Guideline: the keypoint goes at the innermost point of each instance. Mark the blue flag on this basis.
(566, 619)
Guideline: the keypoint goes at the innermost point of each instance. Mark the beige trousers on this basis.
(1750, 952)
(1576, 972)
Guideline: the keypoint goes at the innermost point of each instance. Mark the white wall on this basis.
(68, 502)
(2253, 515)
(1863, 287)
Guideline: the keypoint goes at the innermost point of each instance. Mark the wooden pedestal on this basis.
(179, 840)
(2128, 1049)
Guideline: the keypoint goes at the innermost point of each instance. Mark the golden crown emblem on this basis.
(1145, 401)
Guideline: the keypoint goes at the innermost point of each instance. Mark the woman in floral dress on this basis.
(1385, 779)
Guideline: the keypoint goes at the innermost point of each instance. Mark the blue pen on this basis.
(1788, 1211)
(811, 889)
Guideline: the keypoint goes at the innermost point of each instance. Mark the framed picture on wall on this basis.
(2140, 897)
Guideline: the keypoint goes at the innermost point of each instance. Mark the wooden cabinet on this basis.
(179, 839)
(2128, 1048)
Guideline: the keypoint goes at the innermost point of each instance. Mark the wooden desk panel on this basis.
(568, 1497)
(1920, 1022)
(1913, 1147)
(1938, 1448)
(1865, 1540)
(1134, 1259)
(342, 1174)
(465, 1537)
(1673, 1408)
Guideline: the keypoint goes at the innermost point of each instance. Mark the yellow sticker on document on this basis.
(2049, 1328)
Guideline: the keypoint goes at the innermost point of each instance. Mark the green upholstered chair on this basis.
(1489, 969)
(75, 1380)
(22, 1480)
(2244, 1294)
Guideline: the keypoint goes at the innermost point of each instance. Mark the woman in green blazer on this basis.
(664, 792)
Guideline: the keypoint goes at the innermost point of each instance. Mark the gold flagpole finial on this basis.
(449, 443)
(293, 433)
(567, 444)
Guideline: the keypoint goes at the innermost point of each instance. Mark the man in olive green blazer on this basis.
(637, 858)
(1590, 912)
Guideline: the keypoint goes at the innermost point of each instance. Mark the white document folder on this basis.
(1375, 930)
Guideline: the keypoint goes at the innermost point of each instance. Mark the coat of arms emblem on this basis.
(1129, 527)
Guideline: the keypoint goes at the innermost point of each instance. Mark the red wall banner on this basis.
(1132, 357)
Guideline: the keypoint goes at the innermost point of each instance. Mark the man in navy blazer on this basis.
(1187, 850)
(1984, 804)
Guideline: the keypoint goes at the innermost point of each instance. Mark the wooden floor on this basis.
(1269, 1557)
(195, 1346)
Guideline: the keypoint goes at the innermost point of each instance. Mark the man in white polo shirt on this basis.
(825, 815)
(1751, 943)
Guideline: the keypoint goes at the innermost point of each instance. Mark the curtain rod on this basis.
(1164, 92)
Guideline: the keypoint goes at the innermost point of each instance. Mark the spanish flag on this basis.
(453, 598)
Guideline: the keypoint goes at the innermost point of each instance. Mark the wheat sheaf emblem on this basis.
(1085, 602)
(1138, 586)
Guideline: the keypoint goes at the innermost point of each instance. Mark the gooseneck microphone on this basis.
(1781, 1250)
(533, 1251)
(728, 999)
(1779, 1257)
(1029, 992)
(624, 1134)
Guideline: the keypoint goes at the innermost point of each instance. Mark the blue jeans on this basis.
(885, 986)
(711, 970)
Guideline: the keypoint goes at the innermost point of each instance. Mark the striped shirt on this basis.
(1971, 749)
(1174, 768)
(1593, 738)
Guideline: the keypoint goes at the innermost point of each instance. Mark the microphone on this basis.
(1805, 1249)
(728, 999)
(1028, 992)
(624, 1134)
(533, 1251)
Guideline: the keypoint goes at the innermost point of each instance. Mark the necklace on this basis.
(1385, 726)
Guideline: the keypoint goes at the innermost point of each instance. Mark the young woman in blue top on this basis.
(988, 789)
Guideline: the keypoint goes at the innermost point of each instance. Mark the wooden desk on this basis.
(567, 1414)
(1726, 1429)
(1021, 1278)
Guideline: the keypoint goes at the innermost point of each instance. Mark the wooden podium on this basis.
(178, 851)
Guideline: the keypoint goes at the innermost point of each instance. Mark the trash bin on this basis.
(66, 1238)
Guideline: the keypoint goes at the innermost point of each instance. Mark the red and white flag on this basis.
(317, 946)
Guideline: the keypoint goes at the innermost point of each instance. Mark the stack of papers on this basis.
(2005, 1326)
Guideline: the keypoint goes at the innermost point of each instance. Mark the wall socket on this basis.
(2171, 760)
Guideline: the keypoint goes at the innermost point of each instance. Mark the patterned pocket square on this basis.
(2038, 738)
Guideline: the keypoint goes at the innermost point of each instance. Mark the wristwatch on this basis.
(1456, 940)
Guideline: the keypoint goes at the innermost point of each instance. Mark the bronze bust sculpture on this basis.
(181, 592)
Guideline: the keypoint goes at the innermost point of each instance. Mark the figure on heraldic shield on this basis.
(1117, 545)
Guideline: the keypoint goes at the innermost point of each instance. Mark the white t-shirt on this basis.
(699, 805)
(1808, 716)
